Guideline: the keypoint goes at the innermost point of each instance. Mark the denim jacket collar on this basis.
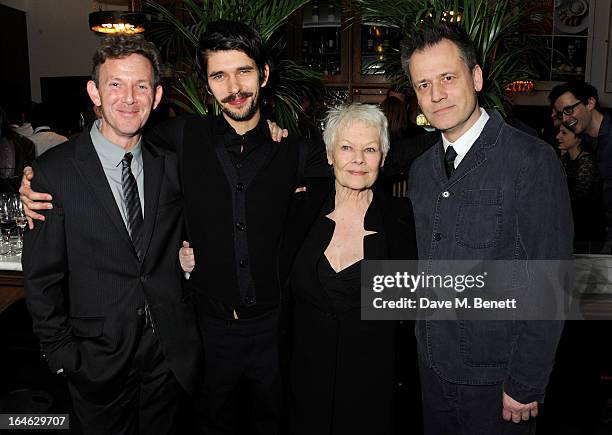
(477, 154)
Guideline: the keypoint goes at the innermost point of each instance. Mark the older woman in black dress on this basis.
(343, 369)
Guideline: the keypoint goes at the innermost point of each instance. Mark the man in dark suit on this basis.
(482, 192)
(103, 284)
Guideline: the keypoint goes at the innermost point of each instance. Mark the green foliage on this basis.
(177, 31)
(506, 55)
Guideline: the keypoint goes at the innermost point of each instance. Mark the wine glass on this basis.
(7, 224)
(20, 219)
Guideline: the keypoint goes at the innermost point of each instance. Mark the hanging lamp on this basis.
(129, 22)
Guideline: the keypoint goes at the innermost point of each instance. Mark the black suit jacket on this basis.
(85, 286)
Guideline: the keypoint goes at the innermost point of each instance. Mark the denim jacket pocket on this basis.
(480, 217)
(485, 343)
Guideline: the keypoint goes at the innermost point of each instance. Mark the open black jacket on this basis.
(306, 207)
(331, 357)
(212, 200)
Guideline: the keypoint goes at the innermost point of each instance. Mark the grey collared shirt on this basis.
(111, 156)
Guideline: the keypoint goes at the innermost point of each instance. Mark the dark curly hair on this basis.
(579, 89)
(223, 35)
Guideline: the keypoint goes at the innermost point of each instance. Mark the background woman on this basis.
(585, 187)
(408, 142)
(578, 366)
(16, 152)
(343, 369)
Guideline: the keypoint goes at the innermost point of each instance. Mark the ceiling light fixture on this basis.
(130, 22)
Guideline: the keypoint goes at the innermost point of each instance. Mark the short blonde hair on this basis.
(341, 117)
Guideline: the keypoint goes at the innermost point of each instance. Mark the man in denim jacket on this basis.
(481, 377)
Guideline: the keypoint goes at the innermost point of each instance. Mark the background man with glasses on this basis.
(577, 105)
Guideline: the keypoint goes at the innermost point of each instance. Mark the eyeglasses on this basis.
(567, 110)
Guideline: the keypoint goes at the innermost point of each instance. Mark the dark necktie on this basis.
(449, 160)
(132, 203)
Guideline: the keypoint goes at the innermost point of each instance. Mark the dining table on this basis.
(11, 281)
(593, 285)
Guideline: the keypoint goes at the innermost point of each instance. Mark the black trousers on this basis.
(456, 409)
(575, 396)
(240, 351)
(148, 403)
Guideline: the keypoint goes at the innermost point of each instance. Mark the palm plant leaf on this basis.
(178, 39)
(168, 28)
(192, 91)
(289, 86)
(505, 54)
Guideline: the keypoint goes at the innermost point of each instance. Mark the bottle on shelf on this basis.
(331, 44)
(315, 12)
(331, 12)
(370, 44)
(386, 43)
(370, 40)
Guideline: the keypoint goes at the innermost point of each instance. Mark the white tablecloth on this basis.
(593, 273)
(10, 263)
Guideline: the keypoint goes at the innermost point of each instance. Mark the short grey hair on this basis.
(344, 116)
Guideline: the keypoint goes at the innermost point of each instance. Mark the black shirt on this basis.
(237, 191)
(247, 155)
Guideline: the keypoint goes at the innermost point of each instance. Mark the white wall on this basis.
(59, 39)
(601, 56)
(22, 5)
